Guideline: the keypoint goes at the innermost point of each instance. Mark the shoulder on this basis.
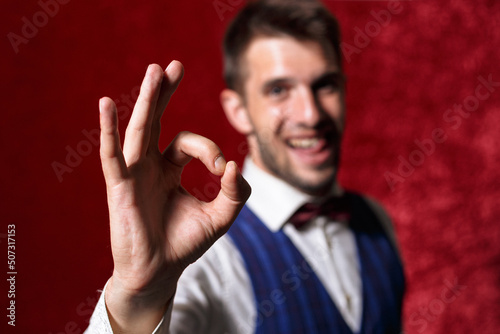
(382, 216)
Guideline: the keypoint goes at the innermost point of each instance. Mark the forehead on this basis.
(268, 58)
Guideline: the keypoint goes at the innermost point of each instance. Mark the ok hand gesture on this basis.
(157, 227)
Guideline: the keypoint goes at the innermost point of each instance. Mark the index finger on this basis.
(187, 145)
(138, 130)
(171, 79)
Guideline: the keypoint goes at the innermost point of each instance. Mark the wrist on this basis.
(136, 311)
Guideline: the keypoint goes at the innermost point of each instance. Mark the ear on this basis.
(235, 110)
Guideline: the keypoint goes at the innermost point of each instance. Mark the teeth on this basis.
(303, 143)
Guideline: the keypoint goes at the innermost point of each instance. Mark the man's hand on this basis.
(157, 227)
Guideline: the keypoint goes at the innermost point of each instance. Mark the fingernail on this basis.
(174, 72)
(238, 172)
(169, 66)
(220, 163)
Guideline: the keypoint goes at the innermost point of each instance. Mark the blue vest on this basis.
(288, 294)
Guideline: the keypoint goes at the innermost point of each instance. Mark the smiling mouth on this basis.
(304, 143)
(312, 149)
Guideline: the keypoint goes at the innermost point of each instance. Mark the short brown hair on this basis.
(300, 19)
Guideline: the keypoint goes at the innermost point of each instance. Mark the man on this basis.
(303, 256)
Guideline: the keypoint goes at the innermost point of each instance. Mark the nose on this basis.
(306, 110)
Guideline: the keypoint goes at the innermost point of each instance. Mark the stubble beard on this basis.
(287, 174)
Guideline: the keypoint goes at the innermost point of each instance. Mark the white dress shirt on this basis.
(214, 295)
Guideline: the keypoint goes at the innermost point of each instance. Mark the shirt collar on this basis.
(272, 199)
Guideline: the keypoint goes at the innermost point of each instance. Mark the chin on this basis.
(316, 185)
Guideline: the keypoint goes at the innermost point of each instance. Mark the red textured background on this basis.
(401, 84)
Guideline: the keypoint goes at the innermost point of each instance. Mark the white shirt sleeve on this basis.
(100, 324)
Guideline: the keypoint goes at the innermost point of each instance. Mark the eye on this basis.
(329, 84)
(328, 87)
(276, 91)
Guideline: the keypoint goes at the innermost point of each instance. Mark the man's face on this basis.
(295, 103)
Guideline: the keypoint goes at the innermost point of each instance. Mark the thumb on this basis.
(234, 192)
